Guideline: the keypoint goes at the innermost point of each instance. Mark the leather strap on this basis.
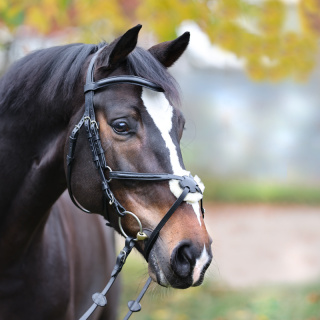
(154, 235)
(92, 86)
(134, 305)
(123, 175)
(70, 157)
(99, 297)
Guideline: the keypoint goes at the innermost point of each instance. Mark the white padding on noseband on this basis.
(191, 197)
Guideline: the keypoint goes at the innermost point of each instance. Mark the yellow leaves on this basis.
(46, 16)
(162, 17)
(256, 69)
(254, 31)
(268, 16)
(309, 11)
(35, 19)
(51, 6)
(269, 56)
(290, 56)
(3, 5)
(310, 6)
(12, 11)
(257, 34)
(89, 12)
(11, 14)
(270, 45)
(272, 17)
(296, 55)
(228, 36)
(100, 17)
(227, 9)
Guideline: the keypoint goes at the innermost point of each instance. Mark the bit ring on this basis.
(134, 216)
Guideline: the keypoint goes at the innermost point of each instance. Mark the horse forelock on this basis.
(143, 64)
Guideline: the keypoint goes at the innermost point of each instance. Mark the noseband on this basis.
(88, 120)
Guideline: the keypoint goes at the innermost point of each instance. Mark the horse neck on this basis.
(32, 175)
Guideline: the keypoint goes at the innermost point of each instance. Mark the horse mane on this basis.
(44, 75)
(49, 77)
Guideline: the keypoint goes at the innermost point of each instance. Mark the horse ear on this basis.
(115, 53)
(169, 52)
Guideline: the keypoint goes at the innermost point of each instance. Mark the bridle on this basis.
(187, 183)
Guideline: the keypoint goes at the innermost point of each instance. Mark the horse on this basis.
(52, 255)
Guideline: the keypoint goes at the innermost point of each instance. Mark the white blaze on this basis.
(200, 263)
(161, 113)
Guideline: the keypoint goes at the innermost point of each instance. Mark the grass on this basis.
(254, 192)
(213, 301)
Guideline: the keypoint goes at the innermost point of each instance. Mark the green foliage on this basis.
(213, 301)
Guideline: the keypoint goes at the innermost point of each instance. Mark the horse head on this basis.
(140, 132)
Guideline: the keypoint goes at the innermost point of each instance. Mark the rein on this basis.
(187, 183)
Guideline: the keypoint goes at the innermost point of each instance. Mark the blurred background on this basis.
(251, 96)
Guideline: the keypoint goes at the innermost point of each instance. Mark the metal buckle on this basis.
(94, 122)
(91, 121)
(111, 201)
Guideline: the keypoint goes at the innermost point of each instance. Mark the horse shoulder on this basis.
(89, 252)
(65, 263)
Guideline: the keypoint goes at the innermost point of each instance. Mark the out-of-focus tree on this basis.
(254, 31)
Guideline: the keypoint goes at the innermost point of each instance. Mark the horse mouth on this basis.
(162, 273)
(156, 272)
(202, 274)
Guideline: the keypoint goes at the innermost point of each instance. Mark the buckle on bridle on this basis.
(91, 121)
(111, 201)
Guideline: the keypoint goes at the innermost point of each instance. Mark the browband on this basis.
(92, 86)
(124, 175)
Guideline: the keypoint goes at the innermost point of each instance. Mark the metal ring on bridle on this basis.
(137, 219)
(110, 170)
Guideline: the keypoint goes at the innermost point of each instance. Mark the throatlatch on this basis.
(187, 183)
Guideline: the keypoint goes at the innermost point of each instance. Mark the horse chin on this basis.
(156, 272)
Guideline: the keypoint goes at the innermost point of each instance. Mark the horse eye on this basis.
(121, 127)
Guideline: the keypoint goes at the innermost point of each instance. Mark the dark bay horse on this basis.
(52, 255)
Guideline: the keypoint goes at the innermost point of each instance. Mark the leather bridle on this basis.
(88, 120)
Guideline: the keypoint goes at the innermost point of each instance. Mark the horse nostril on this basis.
(182, 259)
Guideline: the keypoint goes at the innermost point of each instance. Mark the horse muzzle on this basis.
(185, 267)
